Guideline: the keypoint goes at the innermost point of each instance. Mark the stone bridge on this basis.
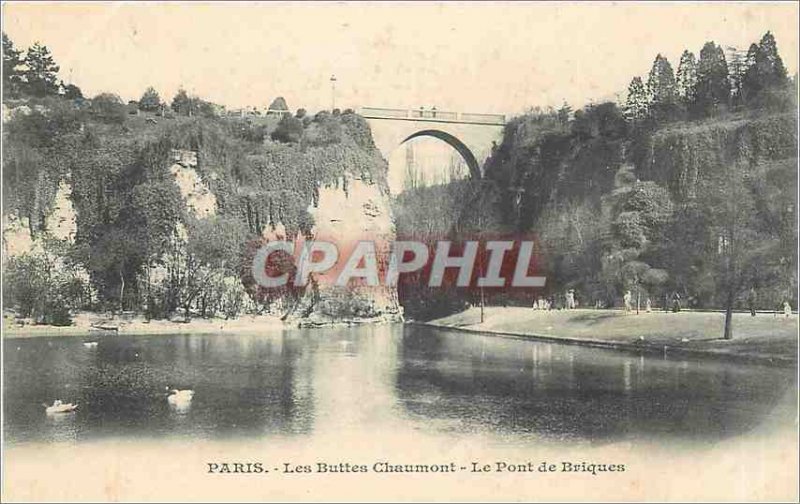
(471, 135)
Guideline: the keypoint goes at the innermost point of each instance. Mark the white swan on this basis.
(59, 407)
(180, 397)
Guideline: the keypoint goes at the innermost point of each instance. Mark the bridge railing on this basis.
(432, 115)
(487, 118)
(385, 112)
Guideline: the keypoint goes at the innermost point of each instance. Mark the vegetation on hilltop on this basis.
(136, 246)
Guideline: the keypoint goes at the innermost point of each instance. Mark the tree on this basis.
(278, 103)
(661, 82)
(564, 114)
(637, 105)
(289, 130)
(755, 68)
(182, 104)
(763, 69)
(713, 88)
(150, 100)
(204, 108)
(744, 244)
(40, 72)
(109, 108)
(44, 284)
(736, 60)
(776, 72)
(661, 90)
(686, 78)
(71, 91)
(215, 251)
(12, 76)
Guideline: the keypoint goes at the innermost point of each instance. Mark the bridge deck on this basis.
(439, 116)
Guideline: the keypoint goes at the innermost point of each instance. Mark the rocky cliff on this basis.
(160, 215)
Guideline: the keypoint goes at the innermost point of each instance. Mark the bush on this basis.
(289, 130)
(39, 288)
(108, 107)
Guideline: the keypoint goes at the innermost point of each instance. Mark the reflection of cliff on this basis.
(563, 392)
(354, 376)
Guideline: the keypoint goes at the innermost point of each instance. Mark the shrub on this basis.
(108, 107)
(289, 130)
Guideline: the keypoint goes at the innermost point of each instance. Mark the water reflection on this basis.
(361, 382)
(543, 391)
(244, 385)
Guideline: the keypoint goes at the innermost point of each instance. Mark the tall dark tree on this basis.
(776, 75)
(713, 89)
(755, 68)
(661, 82)
(686, 78)
(12, 61)
(150, 100)
(661, 90)
(41, 71)
(637, 105)
(737, 66)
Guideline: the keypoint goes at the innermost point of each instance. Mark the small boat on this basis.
(59, 407)
(90, 344)
(105, 327)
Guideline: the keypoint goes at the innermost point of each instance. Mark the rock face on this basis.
(198, 197)
(361, 213)
(352, 211)
(60, 223)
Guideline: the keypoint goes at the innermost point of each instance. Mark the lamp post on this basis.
(333, 92)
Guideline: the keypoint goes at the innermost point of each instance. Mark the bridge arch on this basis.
(464, 151)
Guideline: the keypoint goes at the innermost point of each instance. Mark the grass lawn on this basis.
(762, 337)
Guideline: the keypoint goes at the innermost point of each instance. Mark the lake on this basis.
(376, 379)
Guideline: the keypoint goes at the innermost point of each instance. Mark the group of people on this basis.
(673, 303)
(549, 303)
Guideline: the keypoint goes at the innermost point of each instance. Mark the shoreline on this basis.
(85, 326)
(91, 325)
(625, 347)
(655, 335)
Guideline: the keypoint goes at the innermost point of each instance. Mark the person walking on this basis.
(648, 306)
(569, 299)
(676, 302)
(787, 308)
(626, 302)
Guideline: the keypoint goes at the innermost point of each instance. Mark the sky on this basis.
(470, 57)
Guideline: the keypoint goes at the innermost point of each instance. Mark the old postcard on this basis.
(407, 251)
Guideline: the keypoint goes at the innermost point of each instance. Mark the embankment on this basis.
(765, 338)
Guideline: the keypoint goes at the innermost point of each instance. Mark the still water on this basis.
(379, 379)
